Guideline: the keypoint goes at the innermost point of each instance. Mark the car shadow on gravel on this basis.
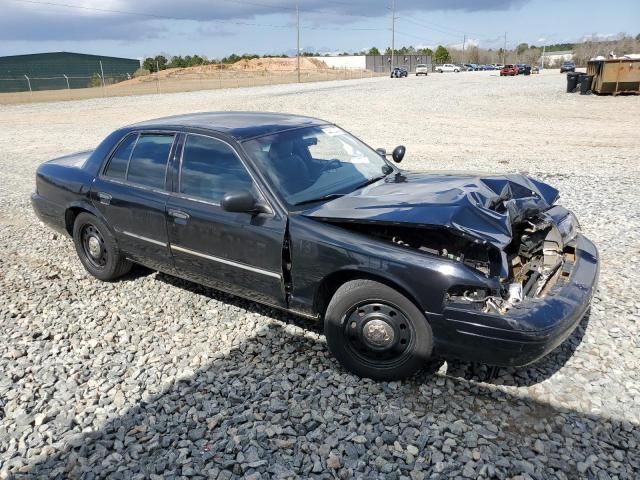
(277, 406)
(512, 376)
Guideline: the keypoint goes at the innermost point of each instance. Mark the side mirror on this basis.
(398, 153)
(243, 201)
(382, 152)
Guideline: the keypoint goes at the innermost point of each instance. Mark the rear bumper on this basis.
(525, 333)
(49, 212)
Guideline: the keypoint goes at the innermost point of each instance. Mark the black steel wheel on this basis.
(377, 332)
(97, 248)
(93, 245)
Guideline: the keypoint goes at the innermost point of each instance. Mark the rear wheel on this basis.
(97, 249)
(376, 332)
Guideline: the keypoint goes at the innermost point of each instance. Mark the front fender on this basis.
(320, 250)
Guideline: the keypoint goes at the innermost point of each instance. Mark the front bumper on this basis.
(528, 331)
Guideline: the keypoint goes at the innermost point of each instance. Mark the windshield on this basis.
(316, 162)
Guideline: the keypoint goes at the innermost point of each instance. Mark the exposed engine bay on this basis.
(527, 268)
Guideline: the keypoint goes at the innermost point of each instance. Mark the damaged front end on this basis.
(530, 265)
(533, 273)
(504, 227)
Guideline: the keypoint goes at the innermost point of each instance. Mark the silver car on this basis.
(422, 69)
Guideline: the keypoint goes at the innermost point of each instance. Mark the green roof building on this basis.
(57, 70)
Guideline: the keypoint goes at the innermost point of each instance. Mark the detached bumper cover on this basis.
(525, 333)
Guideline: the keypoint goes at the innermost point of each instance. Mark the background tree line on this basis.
(522, 53)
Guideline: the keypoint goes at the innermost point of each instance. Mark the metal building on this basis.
(382, 63)
(58, 70)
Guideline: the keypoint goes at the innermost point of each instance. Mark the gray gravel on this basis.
(154, 377)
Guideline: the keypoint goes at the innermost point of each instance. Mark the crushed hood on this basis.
(484, 207)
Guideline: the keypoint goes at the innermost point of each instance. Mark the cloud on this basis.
(140, 19)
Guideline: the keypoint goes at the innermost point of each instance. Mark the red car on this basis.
(510, 70)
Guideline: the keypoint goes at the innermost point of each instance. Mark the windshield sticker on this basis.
(333, 131)
(359, 160)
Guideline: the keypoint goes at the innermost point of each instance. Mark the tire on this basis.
(400, 324)
(106, 262)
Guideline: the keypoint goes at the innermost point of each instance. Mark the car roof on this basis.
(240, 125)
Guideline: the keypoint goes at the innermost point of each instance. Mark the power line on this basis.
(445, 30)
(417, 37)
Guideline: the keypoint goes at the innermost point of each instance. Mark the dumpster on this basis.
(585, 84)
(615, 76)
(572, 81)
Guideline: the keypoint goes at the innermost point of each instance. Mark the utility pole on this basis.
(504, 50)
(544, 48)
(298, 41)
(464, 42)
(393, 33)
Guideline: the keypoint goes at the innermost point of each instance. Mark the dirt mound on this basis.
(259, 65)
(278, 64)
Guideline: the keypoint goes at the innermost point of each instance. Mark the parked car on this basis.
(523, 69)
(296, 213)
(509, 70)
(471, 67)
(488, 67)
(568, 67)
(447, 67)
(422, 69)
(535, 69)
(498, 66)
(399, 72)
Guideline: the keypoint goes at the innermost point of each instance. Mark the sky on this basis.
(217, 28)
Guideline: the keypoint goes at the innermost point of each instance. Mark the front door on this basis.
(236, 252)
(131, 193)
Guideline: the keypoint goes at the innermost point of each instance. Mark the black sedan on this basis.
(399, 72)
(296, 213)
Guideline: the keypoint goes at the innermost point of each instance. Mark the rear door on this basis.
(237, 252)
(131, 192)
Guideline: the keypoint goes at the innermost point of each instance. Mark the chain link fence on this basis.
(43, 89)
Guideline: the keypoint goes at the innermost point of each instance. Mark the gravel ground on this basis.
(154, 377)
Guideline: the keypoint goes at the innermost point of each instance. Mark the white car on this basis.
(422, 69)
(448, 67)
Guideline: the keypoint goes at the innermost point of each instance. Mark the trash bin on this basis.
(585, 84)
(572, 81)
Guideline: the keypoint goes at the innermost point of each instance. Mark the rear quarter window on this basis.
(148, 163)
(117, 167)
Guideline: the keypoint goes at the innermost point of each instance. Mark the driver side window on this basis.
(210, 168)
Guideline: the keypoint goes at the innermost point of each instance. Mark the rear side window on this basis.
(210, 168)
(148, 163)
(117, 167)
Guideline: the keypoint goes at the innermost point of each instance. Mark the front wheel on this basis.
(376, 332)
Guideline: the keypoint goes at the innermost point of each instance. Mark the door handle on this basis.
(179, 216)
(105, 198)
